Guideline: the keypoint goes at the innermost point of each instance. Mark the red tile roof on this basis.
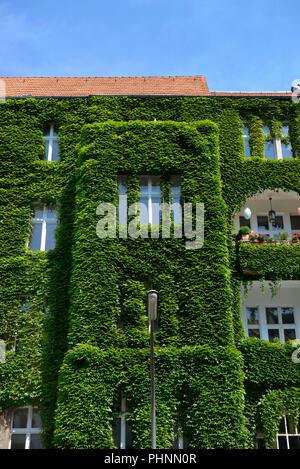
(121, 86)
(106, 86)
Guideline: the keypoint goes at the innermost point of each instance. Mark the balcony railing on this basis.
(271, 259)
(269, 241)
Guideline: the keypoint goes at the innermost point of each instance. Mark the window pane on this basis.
(36, 419)
(286, 150)
(51, 213)
(273, 334)
(46, 149)
(144, 217)
(175, 444)
(175, 183)
(262, 222)
(294, 442)
(289, 334)
(244, 222)
(269, 145)
(175, 196)
(122, 209)
(25, 306)
(122, 184)
(282, 442)
(287, 315)
(128, 436)
(117, 433)
(35, 244)
(20, 418)
(290, 425)
(295, 222)
(18, 441)
(46, 130)
(285, 130)
(38, 213)
(35, 441)
(155, 180)
(177, 213)
(272, 315)
(254, 333)
(246, 140)
(55, 155)
(50, 237)
(144, 180)
(252, 315)
(155, 210)
(278, 224)
(260, 443)
(55, 130)
(270, 150)
(282, 426)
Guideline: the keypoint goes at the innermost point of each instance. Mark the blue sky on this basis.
(237, 45)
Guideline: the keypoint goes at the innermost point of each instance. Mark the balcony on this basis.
(274, 260)
(283, 206)
(272, 249)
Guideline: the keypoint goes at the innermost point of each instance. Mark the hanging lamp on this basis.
(247, 213)
(271, 214)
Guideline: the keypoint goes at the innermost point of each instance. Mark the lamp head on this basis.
(152, 297)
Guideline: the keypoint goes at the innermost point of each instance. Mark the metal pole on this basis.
(153, 412)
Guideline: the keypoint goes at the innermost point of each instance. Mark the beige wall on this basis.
(5, 419)
(288, 294)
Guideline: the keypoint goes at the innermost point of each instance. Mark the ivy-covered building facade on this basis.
(74, 369)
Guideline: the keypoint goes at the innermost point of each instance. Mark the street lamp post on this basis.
(152, 296)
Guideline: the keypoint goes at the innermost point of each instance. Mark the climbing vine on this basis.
(92, 345)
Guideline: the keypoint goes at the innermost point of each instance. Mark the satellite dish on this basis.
(296, 91)
(247, 213)
(296, 85)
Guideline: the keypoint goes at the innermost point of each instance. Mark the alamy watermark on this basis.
(192, 228)
(296, 353)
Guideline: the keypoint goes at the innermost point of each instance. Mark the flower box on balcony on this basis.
(296, 238)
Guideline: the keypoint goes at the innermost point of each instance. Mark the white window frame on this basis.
(264, 327)
(286, 434)
(246, 138)
(252, 326)
(149, 194)
(28, 431)
(43, 221)
(176, 194)
(122, 416)
(277, 145)
(180, 442)
(280, 326)
(51, 138)
(289, 219)
(271, 232)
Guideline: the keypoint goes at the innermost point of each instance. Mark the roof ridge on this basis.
(110, 76)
